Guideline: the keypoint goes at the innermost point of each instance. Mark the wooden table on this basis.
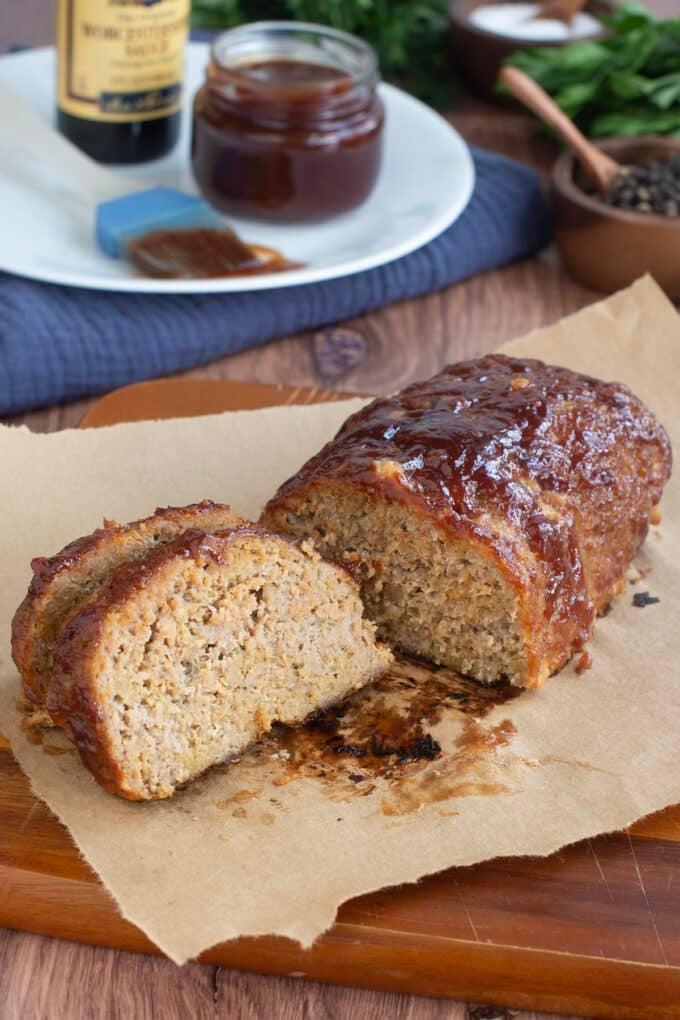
(48, 978)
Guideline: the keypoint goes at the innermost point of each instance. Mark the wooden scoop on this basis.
(559, 10)
(601, 169)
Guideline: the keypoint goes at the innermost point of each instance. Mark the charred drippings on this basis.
(643, 598)
(380, 739)
(354, 749)
(422, 747)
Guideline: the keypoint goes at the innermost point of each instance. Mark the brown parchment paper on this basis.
(236, 854)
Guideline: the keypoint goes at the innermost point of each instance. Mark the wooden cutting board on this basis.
(593, 930)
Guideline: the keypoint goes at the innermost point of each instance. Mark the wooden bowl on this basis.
(478, 54)
(605, 247)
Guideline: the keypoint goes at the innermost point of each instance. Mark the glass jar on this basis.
(288, 126)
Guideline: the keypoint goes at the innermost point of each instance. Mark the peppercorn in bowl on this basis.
(609, 241)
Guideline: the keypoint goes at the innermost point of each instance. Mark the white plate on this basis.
(426, 182)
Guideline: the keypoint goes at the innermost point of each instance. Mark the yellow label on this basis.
(121, 60)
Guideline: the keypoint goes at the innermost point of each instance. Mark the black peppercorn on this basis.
(651, 188)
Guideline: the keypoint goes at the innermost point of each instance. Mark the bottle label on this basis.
(121, 60)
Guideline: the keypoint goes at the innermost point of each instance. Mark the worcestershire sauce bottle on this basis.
(120, 69)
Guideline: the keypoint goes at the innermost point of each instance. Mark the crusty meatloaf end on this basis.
(491, 511)
(184, 660)
(62, 582)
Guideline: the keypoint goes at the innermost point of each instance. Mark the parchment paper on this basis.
(256, 848)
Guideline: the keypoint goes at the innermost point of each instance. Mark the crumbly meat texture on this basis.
(63, 582)
(491, 511)
(185, 660)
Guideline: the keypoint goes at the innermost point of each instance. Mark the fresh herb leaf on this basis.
(635, 121)
(625, 84)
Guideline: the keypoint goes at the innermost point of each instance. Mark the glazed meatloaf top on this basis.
(45, 568)
(506, 451)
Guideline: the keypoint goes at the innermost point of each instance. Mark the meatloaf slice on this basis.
(187, 658)
(81, 569)
(491, 511)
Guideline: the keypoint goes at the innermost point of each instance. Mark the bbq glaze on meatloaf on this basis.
(185, 659)
(62, 582)
(491, 511)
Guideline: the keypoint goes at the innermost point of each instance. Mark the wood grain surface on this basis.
(50, 978)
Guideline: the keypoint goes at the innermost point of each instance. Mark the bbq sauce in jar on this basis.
(288, 126)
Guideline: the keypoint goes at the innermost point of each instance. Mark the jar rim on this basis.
(360, 63)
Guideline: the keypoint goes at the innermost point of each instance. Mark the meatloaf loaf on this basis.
(62, 582)
(491, 511)
(182, 660)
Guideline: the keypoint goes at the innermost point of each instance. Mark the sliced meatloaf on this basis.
(491, 511)
(186, 658)
(62, 582)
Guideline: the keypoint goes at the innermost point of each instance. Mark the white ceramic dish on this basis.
(426, 182)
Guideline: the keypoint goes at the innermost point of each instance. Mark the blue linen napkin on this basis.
(59, 343)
